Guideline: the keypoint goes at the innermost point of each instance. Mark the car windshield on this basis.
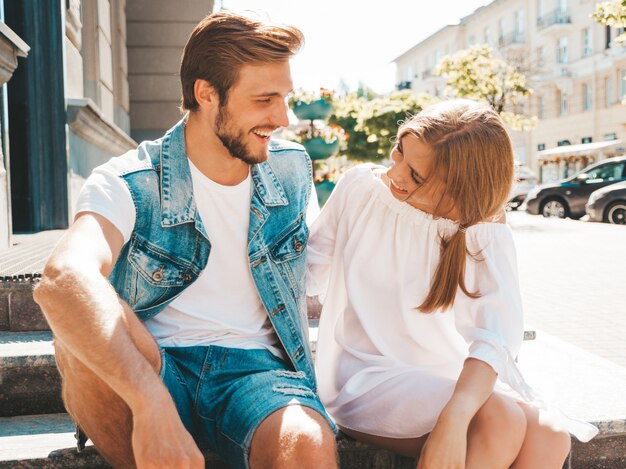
(607, 172)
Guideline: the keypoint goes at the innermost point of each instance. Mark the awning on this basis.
(578, 150)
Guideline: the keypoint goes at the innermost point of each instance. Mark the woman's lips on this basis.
(396, 189)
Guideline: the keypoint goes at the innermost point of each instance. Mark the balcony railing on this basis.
(554, 17)
(513, 38)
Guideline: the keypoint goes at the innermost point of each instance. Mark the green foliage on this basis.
(612, 13)
(475, 73)
(372, 124)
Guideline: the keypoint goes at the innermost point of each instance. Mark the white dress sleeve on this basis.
(493, 324)
(106, 194)
(323, 231)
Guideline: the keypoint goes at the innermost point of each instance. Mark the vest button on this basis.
(186, 278)
(157, 276)
(297, 244)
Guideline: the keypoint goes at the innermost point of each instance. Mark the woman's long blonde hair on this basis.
(474, 163)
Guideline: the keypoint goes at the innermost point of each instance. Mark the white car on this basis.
(525, 181)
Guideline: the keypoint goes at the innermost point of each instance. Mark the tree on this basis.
(612, 13)
(475, 73)
(372, 124)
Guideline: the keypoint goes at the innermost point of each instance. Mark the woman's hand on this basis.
(445, 447)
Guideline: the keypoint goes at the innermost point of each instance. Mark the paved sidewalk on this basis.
(573, 281)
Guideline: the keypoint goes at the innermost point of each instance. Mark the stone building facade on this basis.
(100, 76)
(574, 66)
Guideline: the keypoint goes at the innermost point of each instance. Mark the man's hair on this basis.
(223, 42)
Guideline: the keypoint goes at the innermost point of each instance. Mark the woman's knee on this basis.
(542, 442)
(500, 421)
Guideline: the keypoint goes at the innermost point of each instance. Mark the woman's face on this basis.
(412, 162)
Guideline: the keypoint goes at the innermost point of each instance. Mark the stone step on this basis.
(20, 269)
(30, 382)
(582, 385)
(47, 441)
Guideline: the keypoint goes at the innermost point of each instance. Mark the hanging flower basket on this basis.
(319, 149)
(319, 109)
(324, 190)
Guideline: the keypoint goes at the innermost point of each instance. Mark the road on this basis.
(573, 281)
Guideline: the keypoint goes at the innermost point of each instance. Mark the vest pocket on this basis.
(155, 275)
(287, 253)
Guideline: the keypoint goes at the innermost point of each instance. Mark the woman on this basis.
(422, 314)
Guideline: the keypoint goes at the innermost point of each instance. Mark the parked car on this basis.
(567, 198)
(608, 204)
(525, 180)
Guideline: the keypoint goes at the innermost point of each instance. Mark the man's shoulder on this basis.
(144, 157)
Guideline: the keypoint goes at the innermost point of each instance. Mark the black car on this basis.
(567, 198)
(608, 204)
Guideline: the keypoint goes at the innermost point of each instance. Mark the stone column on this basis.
(11, 47)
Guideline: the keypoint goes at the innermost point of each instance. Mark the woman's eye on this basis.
(415, 177)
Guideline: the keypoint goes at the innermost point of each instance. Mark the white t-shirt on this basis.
(222, 307)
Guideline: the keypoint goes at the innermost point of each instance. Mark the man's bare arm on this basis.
(87, 316)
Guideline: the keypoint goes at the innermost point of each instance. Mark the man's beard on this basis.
(234, 142)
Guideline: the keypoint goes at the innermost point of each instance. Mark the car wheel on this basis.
(616, 213)
(554, 207)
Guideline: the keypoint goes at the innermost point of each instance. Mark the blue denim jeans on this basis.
(223, 394)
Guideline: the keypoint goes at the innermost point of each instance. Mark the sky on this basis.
(355, 41)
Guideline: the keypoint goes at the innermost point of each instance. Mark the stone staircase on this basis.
(35, 431)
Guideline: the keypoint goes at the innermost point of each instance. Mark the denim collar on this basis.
(177, 202)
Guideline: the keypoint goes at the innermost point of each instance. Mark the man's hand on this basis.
(160, 440)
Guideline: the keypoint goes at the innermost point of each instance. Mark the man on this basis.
(196, 240)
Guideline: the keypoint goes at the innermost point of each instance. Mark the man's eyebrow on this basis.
(270, 94)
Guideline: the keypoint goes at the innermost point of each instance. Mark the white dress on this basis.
(383, 367)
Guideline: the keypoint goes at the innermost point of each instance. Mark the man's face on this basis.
(256, 106)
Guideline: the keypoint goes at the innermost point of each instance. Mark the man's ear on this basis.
(205, 94)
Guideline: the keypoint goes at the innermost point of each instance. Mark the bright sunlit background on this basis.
(355, 41)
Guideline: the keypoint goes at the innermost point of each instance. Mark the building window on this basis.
(587, 42)
(500, 30)
(409, 73)
(437, 56)
(563, 6)
(608, 87)
(540, 10)
(519, 23)
(540, 62)
(611, 136)
(487, 35)
(541, 147)
(541, 109)
(622, 85)
(563, 105)
(472, 40)
(587, 103)
(562, 56)
(607, 37)
(586, 140)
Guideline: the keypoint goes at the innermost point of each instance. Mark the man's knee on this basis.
(293, 433)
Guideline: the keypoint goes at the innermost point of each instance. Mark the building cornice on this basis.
(87, 121)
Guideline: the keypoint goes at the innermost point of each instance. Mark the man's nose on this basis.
(280, 116)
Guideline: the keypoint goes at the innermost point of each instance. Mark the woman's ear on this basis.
(205, 94)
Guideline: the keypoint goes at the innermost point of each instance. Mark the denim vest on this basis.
(169, 246)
